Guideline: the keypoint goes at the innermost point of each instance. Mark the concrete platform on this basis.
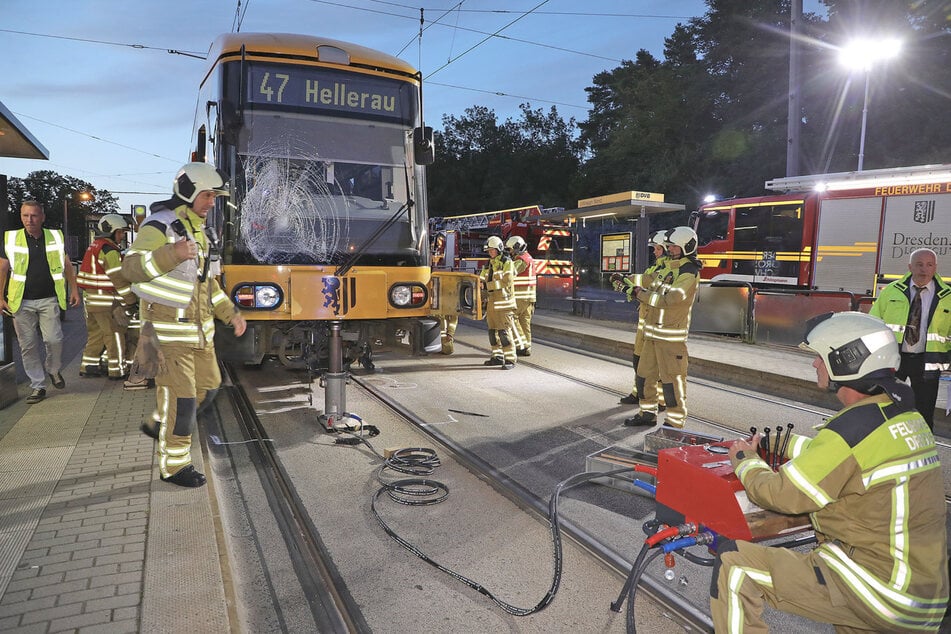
(90, 538)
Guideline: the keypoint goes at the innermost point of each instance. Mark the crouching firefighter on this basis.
(173, 267)
(872, 485)
(498, 276)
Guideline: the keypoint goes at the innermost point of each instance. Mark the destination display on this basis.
(329, 91)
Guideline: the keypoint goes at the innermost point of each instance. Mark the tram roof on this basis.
(289, 45)
(621, 209)
(16, 141)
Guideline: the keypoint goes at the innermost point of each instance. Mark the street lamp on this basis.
(862, 54)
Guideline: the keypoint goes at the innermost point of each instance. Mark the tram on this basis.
(324, 243)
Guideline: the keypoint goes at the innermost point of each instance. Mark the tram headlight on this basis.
(257, 296)
(408, 295)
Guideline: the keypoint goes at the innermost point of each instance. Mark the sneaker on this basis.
(36, 396)
(187, 477)
(141, 384)
(642, 419)
(630, 399)
(495, 361)
(57, 380)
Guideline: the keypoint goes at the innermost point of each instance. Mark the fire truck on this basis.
(459, 243)
(851, 231)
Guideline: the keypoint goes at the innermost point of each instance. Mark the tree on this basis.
(51, 190)
(483, 165)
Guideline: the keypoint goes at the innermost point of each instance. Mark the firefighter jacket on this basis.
(526, 282)
(181, 300)
(100, 277)
(669, 300)
(892, 307)
(498, 275)
(872, 484)
(18, 253)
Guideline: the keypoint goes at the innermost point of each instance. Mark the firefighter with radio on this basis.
(173, 267)
(669, 302)
(873, 487)
(917, 308)
(651, 276)
(104, 291)
(498, 278)
(526, 283)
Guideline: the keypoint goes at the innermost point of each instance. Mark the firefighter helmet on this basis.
(494, 242)
(657, 239)
(195, 178)
(852, 345)
(516, 244)
(683, 237)
(110, 223)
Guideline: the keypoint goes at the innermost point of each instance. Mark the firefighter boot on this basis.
(186, 477)
(494, 361)
(641, 419)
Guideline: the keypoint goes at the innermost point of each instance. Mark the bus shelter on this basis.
(15, 142)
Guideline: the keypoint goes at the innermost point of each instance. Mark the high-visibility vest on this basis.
(19, 255)
(98, 273)
(526, 281)
(892, 307)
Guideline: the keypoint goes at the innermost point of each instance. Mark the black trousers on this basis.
(923, 384)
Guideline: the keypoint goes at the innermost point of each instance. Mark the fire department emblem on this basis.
(924, 211)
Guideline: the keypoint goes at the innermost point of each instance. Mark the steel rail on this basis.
(332, 607)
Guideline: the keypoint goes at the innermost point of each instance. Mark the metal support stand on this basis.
(334, 382)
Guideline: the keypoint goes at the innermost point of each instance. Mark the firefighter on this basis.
(104, 290)
(666, 324)
(872, 485)
(917, 308)
(651, 276)
(498, 278)
(173, 266)
(447, 332)
(526, 283)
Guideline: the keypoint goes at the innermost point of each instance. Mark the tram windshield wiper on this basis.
(346, 266)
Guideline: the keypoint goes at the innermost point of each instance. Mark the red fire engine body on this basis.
(838, 232)
(459, 244)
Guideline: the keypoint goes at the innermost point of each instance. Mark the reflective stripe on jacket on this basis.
(670, 300)
(19, 255)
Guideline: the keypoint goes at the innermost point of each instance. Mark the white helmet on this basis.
(110, 223)
(852, 345)
(657, 239)
(494, 242)
(195, 178)
(516, 244)
(683, 237)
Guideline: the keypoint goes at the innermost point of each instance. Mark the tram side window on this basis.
(713, 225)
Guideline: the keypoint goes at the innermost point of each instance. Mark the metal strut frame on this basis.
(334, 382)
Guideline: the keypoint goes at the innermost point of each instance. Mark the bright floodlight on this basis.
(861, 54)
(709, 198)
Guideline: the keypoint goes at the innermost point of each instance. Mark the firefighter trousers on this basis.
(664, 361)
(794, 582)
(103, 333)
(524, 310)
(189, 378)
